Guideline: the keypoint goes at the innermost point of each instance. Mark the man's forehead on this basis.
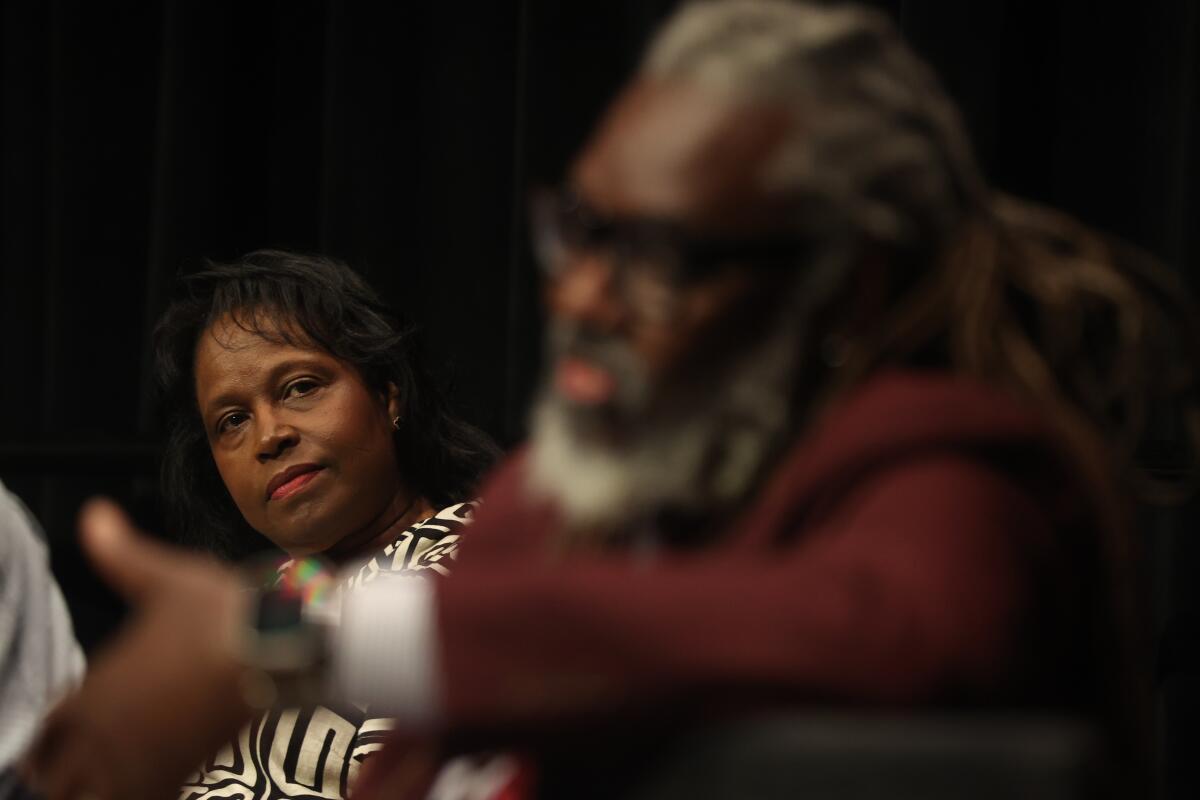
(681, 151)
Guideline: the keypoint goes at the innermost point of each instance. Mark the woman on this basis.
(301, 411)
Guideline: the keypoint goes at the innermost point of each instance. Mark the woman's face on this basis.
(303, 445)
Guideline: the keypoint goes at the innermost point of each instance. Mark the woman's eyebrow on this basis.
(313, 363)
(269, 378)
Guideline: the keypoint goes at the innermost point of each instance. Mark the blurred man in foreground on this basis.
(820, 426)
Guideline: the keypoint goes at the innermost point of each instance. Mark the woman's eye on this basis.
(231, 422)
(300, 388)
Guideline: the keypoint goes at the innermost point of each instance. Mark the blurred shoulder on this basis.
(21, 539)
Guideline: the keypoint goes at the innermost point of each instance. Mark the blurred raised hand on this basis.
(165, 692)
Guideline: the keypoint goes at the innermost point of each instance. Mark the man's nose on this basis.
(277, 437)
(587, 292)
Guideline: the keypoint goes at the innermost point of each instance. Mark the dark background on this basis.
(142, 137)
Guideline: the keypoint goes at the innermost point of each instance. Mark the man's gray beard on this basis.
(699, 453)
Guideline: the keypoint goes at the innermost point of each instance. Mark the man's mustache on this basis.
(604, 351)
(590, 345)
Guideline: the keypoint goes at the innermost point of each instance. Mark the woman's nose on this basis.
(277, 438)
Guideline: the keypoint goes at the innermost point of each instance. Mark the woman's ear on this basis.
(392, 398)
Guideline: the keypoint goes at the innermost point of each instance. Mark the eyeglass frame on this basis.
(559, 215)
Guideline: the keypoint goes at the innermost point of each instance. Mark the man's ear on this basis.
(391, 396)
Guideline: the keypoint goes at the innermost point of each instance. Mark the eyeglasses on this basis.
(654, 261)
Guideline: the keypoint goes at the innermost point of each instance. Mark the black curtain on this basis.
(140, 138)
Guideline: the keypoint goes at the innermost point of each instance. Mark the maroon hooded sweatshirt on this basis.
(923, 546)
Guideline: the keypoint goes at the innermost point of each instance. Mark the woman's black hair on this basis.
(301, 300)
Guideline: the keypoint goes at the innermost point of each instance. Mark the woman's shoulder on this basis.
(449, 519)
(431, 544)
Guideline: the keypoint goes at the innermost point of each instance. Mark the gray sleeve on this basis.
(39, 656)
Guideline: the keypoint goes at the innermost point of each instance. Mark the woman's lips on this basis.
(295, 484)
(583, 382)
